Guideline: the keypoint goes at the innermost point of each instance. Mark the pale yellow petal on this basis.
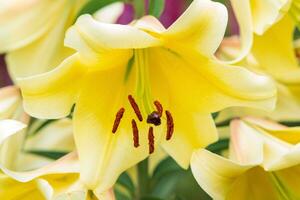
(15, 15)
(10, 99)
(12, 189)
(277, 154)
(52, 95)
(290, 135)
(287, 108)
(67, 164)
(266, 13)
(242, 12)
(9, 127)
(44, 53)
(102, 37)
(191, 131)
(255, 184)
(57, 136)
(198, 84)
(245, 146)
(110, 13)
(102, 95)
(289, 180)
(278, 58)
(215, 174)
(201, 27)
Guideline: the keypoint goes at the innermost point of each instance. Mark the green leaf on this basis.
(297, 33)
(215, 115)
(165, 166)
(218, 146)
(120, 196)
(37, 125)
(48, 154)
(166, 185)
(187, 188)
(156, 7)
(126, 181)
(151, 198)
(165, 178)
(94, 5)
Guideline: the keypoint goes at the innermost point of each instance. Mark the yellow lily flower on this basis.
(263, 163)
(38, 47)
(54, 180)
(58, 180)
(257, 16)
(276, 60)
(14, 154)
(123, 77)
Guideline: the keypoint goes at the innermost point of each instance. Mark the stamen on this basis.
(117, 121)
(159, 107)
(151, 140)
(135, 107)
(154, 118)
(170, 125)
(135, 132)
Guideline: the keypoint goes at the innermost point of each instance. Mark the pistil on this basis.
(154, 118)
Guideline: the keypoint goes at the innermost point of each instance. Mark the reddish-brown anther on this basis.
(170, 125)
(135, 132)
(135, 107)
(151, 140)
(118, 118)
(159, 107)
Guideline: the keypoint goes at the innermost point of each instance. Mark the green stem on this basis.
(143, 179)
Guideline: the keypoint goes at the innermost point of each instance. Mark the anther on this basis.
(135, 132)
(151, 140)
(154, 118)
(159, 107)
(118, 118)
(135, 107)
(170, 125)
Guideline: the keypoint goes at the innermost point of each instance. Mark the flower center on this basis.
(154, 118)
(144, 105)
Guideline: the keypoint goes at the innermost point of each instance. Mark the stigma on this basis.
(154, 119)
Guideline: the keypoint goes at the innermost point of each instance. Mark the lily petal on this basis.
(110, 13)
(216, 181)
(57, 136)
(278, 58)
(10, 98)
(102, 94)
(101, 37)
(201, 27)
(211, 85)
(25, 191)
(43, 54)
(56, 89)
(245, 147)
(192, 131)
(242, 12)
(15, 15)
